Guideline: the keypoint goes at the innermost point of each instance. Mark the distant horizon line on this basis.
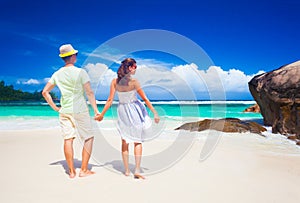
(4, 103)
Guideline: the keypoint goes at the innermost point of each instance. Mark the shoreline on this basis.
(11, 123)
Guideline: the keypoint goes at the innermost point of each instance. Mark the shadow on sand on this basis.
(77, 164)
(115, 166)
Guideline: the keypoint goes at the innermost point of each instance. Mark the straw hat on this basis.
(67, 50)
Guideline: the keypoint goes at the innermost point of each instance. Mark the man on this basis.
(74, 116)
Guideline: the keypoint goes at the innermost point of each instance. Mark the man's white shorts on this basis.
(79, 124)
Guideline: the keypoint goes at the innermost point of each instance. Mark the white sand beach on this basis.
(241, 168)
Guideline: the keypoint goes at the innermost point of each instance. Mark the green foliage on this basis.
(8, 93)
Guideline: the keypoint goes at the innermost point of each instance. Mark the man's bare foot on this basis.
(86, 173)
(72, 175)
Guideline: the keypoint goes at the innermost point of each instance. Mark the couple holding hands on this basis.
(133, 119)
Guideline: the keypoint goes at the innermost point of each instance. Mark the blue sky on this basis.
(242, 38)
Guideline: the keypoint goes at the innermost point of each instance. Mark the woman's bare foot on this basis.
(86, 173)
(138, 176)
(127, 173)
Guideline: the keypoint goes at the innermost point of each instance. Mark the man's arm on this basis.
(91, 97)
(46, 94)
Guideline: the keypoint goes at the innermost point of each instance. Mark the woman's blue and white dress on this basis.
(134, 123)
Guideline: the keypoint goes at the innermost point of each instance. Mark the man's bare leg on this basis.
(69, 154)
(86, 154)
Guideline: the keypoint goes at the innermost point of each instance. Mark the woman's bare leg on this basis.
(138, 157)
(125, 157)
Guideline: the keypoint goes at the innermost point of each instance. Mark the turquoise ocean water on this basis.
(40, 115)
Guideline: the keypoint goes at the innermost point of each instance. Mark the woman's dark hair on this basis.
(123, 71)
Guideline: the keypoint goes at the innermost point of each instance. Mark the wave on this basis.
(193, 102)
(28, 123)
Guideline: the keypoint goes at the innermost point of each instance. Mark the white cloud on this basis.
(214, 78)
(183, 80)
(191, 75)
(161, 81)
(45, 80)
(100, 74)
(29, 82)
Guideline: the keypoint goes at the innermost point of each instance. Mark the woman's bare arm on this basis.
(142, 94)
(109, 101)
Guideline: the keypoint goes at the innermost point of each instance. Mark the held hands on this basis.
(98, 117)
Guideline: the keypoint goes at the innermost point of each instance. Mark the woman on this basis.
(133, 120)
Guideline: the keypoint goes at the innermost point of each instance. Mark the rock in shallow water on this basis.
(224, 125)
(254, 108)
(278, 95)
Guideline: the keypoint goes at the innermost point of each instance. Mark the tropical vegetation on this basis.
(9, 94)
